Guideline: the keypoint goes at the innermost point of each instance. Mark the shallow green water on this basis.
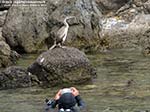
(122, 85)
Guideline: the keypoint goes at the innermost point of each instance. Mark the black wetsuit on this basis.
(68, 101)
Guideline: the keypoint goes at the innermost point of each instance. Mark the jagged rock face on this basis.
(62, 66)
(24, 29)
(15, 77)
(86, 24)
(123, 35)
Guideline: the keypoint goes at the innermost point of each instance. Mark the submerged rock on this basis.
(15, 77)
(62, 66)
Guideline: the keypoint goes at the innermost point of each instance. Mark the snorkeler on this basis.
(66, 99)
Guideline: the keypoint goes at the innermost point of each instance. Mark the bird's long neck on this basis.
(65, 22)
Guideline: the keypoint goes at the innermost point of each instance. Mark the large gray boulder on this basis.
(15, 77)
(62, 66)
(24, 29)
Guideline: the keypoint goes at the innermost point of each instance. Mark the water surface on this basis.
(122, 85)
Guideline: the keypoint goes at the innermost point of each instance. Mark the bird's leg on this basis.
(53, 46)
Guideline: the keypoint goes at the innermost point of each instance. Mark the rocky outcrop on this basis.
(24, 29)
(62, 66)
(84, 30)
(4, 54)
(112, 4)
(2, 17)
(147, 6)
(15, 77)
(7, 56)
(121, 34)
(143, 22)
